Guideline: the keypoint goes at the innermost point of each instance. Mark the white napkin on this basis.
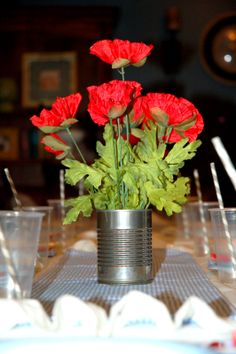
(137, 312)
(72, 314)
(85, 245)
(136, 315)
(20, 315)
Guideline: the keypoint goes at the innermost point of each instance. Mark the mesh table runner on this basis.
(177, 277)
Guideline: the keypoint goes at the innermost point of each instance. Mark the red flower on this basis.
(49, 149)
(64, 108)
(120, 53)
(181, 114)
(111, 100)
(137, 115)
(133, 140)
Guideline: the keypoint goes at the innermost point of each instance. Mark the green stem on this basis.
(120, 161)
(127, 125)
(76, 145)
(115, 157)
(127, 129)
(121, 71)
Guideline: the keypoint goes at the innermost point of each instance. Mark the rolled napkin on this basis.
(70, 314)
(137, 312)
(85, 245)
(136, 315)
(19, 316)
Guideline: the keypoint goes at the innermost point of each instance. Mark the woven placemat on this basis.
(177, 277)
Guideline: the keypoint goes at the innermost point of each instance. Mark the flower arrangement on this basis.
(146, 140)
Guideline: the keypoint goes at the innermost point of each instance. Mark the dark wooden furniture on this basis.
(46, 29)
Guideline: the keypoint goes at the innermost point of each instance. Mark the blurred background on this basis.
(194, 57)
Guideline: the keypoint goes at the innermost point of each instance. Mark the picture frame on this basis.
(216, 48)
(9, 143)
(46, 76)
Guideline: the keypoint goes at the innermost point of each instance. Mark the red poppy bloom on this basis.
(64, 108)
(137, 114)
(178, 111)
(49, 149)
(120, 53)
(111, 100)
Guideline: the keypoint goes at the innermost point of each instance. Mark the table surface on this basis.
(178, 274)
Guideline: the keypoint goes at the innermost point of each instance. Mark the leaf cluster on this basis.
(135, 177)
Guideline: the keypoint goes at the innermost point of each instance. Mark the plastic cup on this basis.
(60, 234)
(21, 232)
(200, 229)
(224, 226)
(182, 222)
(43, 246)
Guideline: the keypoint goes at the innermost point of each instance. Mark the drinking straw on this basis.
(13, 188)
(200, 203)
(62, 187)
(185, 223)
(62, 198)
(224, 220)
(10, 265)
(225, 159)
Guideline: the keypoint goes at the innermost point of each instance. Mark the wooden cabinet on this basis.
(45, 30)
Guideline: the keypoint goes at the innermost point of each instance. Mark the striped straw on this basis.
(201, 210)
(62, 198)
(225, 159)
(10, 266)
(13, 188)
(62, 187)
(185, 223)
(224, 220)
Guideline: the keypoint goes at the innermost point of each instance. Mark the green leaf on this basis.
(106, 151)
(78, 170)
(130, 182)
(62, 155)
(81, 204)
(136, 177)
(140, 63)
(68, 122)
(186, 124)
(181, 151)
(50, 129)
(170, 198)
(160, 116)
(137, 132)
(55, 144)
(118, 63)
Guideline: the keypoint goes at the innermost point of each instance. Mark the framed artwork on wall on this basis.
(9, 143)
(218, 48)
(45, 76)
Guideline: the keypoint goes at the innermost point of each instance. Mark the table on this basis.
(75, 328)
(178, 275)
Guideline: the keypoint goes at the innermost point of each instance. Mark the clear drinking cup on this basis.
(43, 246)
(224, 226)
(200, 227)
(18, 251)
(60, 234)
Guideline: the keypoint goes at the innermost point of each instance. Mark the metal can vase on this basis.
(124, 240)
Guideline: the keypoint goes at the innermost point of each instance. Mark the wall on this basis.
(143, 20)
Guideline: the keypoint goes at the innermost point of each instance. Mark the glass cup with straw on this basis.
(60, 234)
(19, 237)
(224, 224)
(200, 223)
(43, 245)
(13, 189)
